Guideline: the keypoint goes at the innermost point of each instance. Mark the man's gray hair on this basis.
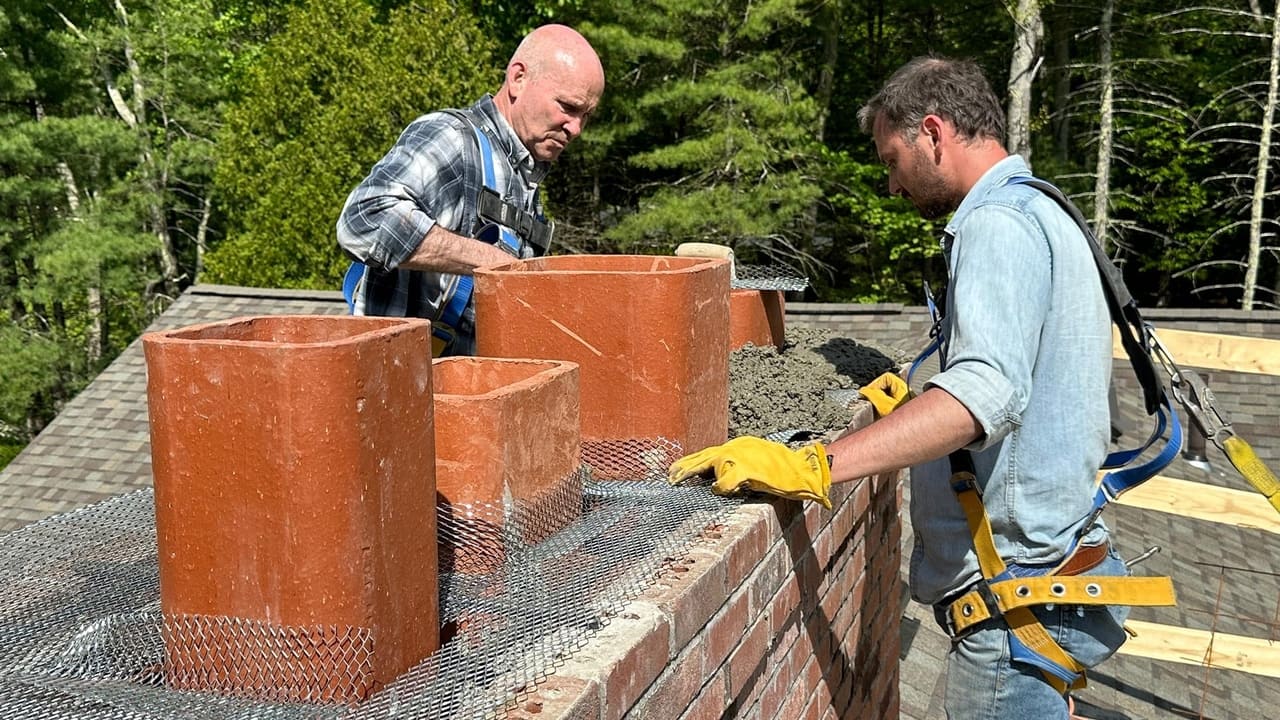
(955, 90)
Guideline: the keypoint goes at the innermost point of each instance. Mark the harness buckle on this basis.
(1193, 394)
(964, 607)
(525, 225)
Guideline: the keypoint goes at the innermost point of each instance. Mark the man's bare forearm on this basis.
(924, 428)
(444, 251)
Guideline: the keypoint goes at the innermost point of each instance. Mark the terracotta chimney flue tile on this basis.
(508, 452)
(295, 503)
(757, 317)
(650, 333)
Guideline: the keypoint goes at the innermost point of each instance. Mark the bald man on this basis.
(423, 220)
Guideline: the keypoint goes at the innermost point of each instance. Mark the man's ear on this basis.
(517, 78)
(935, 128)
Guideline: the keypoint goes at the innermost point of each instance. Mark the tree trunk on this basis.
(93, 344)
(830, 17)
(1028, 34)
(1106, 129)
(1062, 81)
(1260, 175)
(152, 175)
(202, 233)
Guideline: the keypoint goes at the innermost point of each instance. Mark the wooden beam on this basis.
(1210, 351)
(1256, 656)
(1204, 502)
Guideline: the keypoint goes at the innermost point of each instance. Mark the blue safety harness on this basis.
(981, 601)
(496, 218)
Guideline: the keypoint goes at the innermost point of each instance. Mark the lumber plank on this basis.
(1257, 656)
(1199, 501)
(1211, 351)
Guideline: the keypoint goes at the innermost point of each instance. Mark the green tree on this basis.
(105, 118)
(715, 135)
(325, 99)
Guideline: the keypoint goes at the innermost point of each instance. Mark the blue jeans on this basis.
(982, 683)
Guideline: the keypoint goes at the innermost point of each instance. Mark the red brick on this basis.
(744, 549)
(642, 663)
(816, 517)
(726, 629)
(625, 657)
(842, 699)
(794, 703)
(746, 663)
(774, 570)
(677, 686)
(562, 698)
(846, 618)
(784, 608)
(777, 686)
(709, 704)
(824, 545)
(690, 593)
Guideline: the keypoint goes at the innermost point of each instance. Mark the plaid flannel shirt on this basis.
(431, 176)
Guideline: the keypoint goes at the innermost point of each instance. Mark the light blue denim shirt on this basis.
(1027, 349)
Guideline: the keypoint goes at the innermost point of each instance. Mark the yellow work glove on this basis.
(761, 465)
(886, 392)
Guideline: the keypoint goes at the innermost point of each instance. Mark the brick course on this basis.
(784, 611)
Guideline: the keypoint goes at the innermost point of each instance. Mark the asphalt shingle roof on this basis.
(1227, 577)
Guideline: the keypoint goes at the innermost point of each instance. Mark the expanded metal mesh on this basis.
(523, 585)
(768, 277)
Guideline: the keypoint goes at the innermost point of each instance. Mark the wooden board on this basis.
(1204, 502)
(1214, 352)
(1256, 656)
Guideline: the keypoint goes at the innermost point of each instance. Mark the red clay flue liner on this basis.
(650, 333)
(508, 445)
(295, 503)
(757, 317)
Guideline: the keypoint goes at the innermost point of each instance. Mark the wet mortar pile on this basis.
(807, 386)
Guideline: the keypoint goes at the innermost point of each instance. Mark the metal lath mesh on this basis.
(82, 634)
(768, 277)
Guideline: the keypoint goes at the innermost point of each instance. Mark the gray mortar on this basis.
(773, 390)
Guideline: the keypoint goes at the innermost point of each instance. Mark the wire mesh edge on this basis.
(549, 632)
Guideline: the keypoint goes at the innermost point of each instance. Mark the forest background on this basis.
(146, 145)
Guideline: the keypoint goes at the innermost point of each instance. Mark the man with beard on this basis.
(1017, 417)
(459, 189)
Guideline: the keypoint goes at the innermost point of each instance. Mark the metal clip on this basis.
(935, 315)
(1193, 394)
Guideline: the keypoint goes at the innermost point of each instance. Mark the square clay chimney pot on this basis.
(508, 452)
(650, 333)
(295, 503)
(757, 317)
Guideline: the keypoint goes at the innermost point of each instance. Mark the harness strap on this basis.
(1010, 593)
(455, 303)
(1029, 642)
(995, 599)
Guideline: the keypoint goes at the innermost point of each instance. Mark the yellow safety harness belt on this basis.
(1001, 593)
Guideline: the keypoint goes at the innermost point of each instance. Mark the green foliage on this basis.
(326, 99)
(896, 249)
(85, 197)
(715, 140)
(8, 452)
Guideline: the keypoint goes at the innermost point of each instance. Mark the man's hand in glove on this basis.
(761, 465)
(886, 392)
